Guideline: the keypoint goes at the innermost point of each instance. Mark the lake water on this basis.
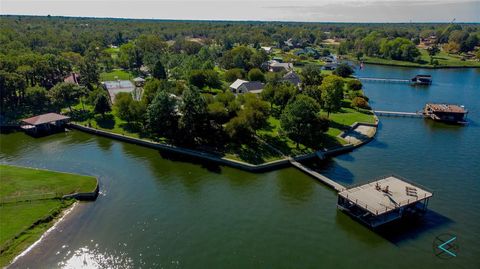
(158, 211)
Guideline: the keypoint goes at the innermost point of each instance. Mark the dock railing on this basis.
(398, 205)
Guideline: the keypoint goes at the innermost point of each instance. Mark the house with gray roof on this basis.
(240, 86)
(278, 67)
(292, 77)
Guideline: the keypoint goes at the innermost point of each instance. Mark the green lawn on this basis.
(18, 182)
(341, 120)
(116, 74)
(29, 200)
(113, 52)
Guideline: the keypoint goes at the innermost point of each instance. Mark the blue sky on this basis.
(319, 10)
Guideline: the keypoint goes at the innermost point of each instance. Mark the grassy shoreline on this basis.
(30, 203)
(445, 60)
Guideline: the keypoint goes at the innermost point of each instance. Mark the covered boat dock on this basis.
(445, 112)
(44, 123)
(384, 200)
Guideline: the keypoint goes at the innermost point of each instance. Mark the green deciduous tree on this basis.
(332, 93)
(313, 91)
(233, 74)
(311, 75)
(89, 73)
(202, 78)
(279, 93)
(37, 99)
(251, 118)
(399, 49)
(66, 94)
(354, 85)
(302, 122)
(162, 114)
(102, 104)
(256, 74)
(194, 116)
(158, 71)
(343, 70)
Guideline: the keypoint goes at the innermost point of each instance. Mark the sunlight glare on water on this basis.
(92, 258)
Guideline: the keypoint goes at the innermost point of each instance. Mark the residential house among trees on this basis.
(293, 78)
(243, 86)
(278, 67)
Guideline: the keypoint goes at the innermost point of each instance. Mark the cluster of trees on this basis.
(33, 82)
(377, 45)
(183, 59)
(243, 57)
(185, 115)
(400, 45)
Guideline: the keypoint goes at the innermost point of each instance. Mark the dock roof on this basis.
(374, 197)
(45, 118)
(446, 108)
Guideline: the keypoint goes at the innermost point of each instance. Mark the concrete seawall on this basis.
(285, 162)
(188, 152)
(85, 196)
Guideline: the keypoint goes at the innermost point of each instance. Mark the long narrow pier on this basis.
(336, 186)
(398, 114)
(392, 80)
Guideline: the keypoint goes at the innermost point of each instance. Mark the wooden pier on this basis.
(336, 186)
(388, 80)
(398, 114)
(378, 202)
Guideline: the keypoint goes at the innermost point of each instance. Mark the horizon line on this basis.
(233, 20)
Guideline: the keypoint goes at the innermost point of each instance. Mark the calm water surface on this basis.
(157, 211)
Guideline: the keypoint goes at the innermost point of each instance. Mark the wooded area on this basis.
(57, 64)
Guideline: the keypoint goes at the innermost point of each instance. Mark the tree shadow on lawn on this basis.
(336, 125)
(329, 142)
(254, 153)
(134, 128)
(279, 143)
(106, 121)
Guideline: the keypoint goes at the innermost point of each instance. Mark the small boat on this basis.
(422, 80)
